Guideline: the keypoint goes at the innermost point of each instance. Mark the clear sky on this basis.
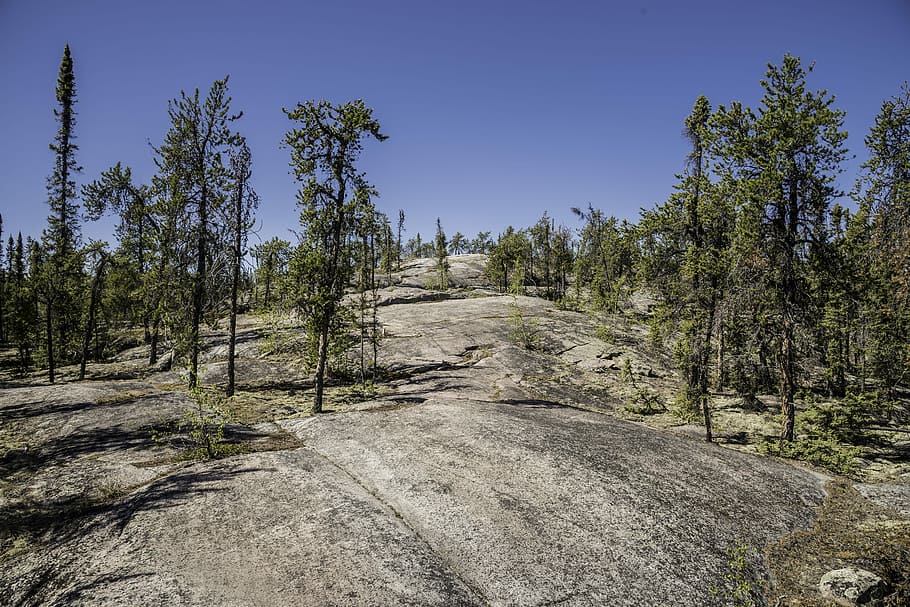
(496, 111)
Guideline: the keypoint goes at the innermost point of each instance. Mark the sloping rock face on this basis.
(464, 271)
(466, 481)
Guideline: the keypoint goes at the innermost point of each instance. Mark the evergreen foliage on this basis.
(325, 147)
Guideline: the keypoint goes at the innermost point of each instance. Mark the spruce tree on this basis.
(325, 147)
(115, 192)
(244, 201)
(441, 253)
(60, 268)
(883, 191)
(193, 153)
(784, 158)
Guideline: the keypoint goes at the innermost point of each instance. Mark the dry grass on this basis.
(850, 531)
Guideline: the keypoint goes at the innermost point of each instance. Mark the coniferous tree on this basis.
(482, 243)
(115, 192)
(542, 253)
(605, 259)
(690, 235)
(272, 259)
(101, 262)
(441, 253)
(784, 158)
(244, 201)
(884, 193)
(400, 230)
(507, 264)
(199, 139)
(325, 147)
(457, 244)
(60, 269)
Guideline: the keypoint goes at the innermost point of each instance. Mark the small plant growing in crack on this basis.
(737, 589)
(525, 332)
(203, 423)
(645, 401)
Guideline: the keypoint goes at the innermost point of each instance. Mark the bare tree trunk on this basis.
(235, 278)
(321, 356)
(721, 379)
(49, 326)
(153, 343)
(787, 383)
(198, 288)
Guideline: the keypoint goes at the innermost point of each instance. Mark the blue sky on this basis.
(496, 111)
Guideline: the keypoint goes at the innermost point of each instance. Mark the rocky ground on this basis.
(503, 457)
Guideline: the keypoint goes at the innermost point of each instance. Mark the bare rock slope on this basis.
(465, 481)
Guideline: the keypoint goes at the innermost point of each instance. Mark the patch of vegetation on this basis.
(644, 400)
(278, 336)
(824, 452)
(850, 531)
(831, 434)
(202, 424)
(122, 397)
(525, 331)
(604, 333)
(738, 588)
(496, 396)
(686, 407)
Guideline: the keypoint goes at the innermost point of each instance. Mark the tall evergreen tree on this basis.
(325, 147)
(400, 230)
(694, 225)
(785, 158)
(60, 269)
(199, 138)
(63, 232)
(244, 201)
(884, 191)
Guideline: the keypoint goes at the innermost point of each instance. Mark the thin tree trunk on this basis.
(198, 288)
(92, 307)
(373, 337)
(49, 326)
(235, 279)
(153, 344)
(705, 355)
(321, 356)
(787, 384)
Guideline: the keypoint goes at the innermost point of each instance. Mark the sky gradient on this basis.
(495, 111)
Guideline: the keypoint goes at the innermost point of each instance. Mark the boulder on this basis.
(851, 586)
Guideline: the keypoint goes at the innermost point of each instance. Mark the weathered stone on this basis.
(852, 587)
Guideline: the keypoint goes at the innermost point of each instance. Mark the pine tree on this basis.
(272, 258)
(244, 201)
(199, 138)
(884, 191)
(325, 147)
(605, 258)
(784, 158)
(115, 192)
(400, 230)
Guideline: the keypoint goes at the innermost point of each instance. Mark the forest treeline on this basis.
(766, 280)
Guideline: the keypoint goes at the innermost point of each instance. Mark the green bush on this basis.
(524, 330)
